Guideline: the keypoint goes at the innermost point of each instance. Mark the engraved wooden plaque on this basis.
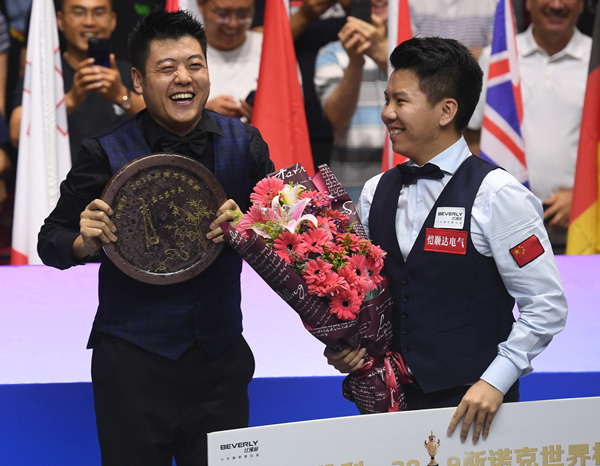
(163, 205)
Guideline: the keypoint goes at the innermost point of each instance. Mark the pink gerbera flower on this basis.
(327, 224)
(265, 190)
(336, 248)
(359, 264)
(373, 269)
(345, 304)
(339, 220)
(332, 283)
(289, 247)
(315, 239)
(256, 219)
(348, 273)
(316, 270)
(351, 241)
(337, 215)
(377, 254)
(254, 215)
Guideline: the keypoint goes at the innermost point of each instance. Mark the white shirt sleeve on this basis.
(505, 214)
(363, 207)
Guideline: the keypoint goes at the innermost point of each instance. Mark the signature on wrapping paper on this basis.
(288, 295)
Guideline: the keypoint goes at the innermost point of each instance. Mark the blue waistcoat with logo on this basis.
(203, 311)
(450, 310)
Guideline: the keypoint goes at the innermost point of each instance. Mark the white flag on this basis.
(44, 152)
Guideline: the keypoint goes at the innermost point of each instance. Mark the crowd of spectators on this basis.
(343, 66)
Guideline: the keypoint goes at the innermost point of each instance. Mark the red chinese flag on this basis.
(278, 105)
(527, 251)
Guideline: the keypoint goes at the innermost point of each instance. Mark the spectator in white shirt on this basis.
(553, 62)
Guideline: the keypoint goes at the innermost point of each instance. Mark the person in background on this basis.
(316, 23)
(234, 54)
(350, 78)
(455, 281)
(553, 62)
(96, 97)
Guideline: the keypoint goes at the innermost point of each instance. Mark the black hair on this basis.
(58, 5)
(444, 68)
(162, 25)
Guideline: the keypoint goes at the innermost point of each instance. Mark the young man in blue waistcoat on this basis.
(464, 241)
(169, 362)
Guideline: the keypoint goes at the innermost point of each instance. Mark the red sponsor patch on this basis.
(448, 241)
(530, 249)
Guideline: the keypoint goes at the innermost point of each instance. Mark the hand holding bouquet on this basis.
(305, 240)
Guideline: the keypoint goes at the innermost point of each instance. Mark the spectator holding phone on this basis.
(350, 78)
(234, 55)
(97, 97)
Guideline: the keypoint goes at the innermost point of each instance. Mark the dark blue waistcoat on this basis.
(450, 310)
(203, 311)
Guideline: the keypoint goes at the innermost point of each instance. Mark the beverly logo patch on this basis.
(450, 217)
(448, 241)
(525, 252)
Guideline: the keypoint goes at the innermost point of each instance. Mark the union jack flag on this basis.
(501, 136)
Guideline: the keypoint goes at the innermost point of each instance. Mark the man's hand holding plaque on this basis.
(95, 228)
(226, 213)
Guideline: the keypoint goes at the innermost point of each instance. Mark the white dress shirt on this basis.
(504, 214)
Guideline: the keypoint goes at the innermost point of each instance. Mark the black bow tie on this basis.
(412, 174)
(196, 142)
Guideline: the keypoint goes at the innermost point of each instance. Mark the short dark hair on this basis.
(162, 25)
(445, 68)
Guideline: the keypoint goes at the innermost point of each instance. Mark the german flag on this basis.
(584, 227)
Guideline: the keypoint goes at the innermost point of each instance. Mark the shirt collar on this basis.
(450, 159)
(154, 131)
(575, 48)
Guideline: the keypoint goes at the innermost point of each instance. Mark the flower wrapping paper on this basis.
(376, 387)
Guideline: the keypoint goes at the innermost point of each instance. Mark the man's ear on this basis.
(138, 80)
(59, 21)
(448, 109)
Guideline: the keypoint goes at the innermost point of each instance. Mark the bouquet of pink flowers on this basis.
(315, 240)
(303, 237)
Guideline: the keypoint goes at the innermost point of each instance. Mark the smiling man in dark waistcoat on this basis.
(464, 241)
(169, 362)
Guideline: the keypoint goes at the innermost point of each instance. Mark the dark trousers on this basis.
(451, 397)
(150, 409)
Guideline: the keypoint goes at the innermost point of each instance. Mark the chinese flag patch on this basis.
(527, 251)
